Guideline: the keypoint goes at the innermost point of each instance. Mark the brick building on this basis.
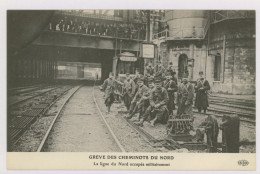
(220, 43)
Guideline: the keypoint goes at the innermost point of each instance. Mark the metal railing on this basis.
(183, 33)
(221, 15)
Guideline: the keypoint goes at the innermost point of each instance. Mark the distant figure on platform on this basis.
(109, 87)
(171, 87)
(211, 128)
(158, 104)
(128, 90)
(201, 88)
(186, 94)
(136, 105)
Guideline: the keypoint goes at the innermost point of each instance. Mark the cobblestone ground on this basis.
(80, 128)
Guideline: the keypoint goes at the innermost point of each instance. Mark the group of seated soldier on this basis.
(150, 95)
(113, 29)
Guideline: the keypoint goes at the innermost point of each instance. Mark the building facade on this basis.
(219, 43)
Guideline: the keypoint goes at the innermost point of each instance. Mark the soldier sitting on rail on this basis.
(109, 87)
(171, 87)
(136, 105)
(201, 88)
(158, 104)
(145, 99)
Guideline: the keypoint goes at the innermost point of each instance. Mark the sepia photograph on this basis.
(133, 81)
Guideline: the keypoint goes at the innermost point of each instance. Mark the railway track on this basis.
(59, 114)
(13, 103)
(19, 124)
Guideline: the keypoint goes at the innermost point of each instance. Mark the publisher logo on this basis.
(243, 162)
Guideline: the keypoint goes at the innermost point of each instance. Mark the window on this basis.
(217, 67)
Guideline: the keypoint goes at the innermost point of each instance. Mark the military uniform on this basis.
(109, 87)
(171, 87)
(185, 94)
(201, 87)
(212, 130)
(160, 97)
(136, 105)
(128, 92)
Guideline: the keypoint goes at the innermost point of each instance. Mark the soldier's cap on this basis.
(151, 80)
(157, 80)
(170, 63)
(201, 72)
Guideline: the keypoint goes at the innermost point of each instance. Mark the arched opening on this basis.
(217, 67)
(182, 65)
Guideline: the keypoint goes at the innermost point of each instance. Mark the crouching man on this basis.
(136, 104)
(158, 104)
(146, 103)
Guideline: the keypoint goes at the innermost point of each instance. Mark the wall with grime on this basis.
(235, 42)
(195, 52)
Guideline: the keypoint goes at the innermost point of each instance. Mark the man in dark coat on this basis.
(201, 88)
(158, 104)
(109, 87)
(136, 105)
(171, 87)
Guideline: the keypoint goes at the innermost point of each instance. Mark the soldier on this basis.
(201, 88)
(149, 70)
(159, 71)
(211, 128)
(128, 90)
(158, 104)
(186, 94)
(146, 103)
(171, 87)
(170, 69)
(135, 78)
(136, 105)
(109, 87)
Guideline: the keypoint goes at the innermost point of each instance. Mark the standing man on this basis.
(159, 71)
(158, 104)
(186, 93)
(171, 87)
(149, 70)
(136, 105)
(128, 90)
(135, 79)
(201, 88)
(109, 87)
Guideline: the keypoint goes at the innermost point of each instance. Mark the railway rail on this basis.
(18, 125)
(59, 114)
